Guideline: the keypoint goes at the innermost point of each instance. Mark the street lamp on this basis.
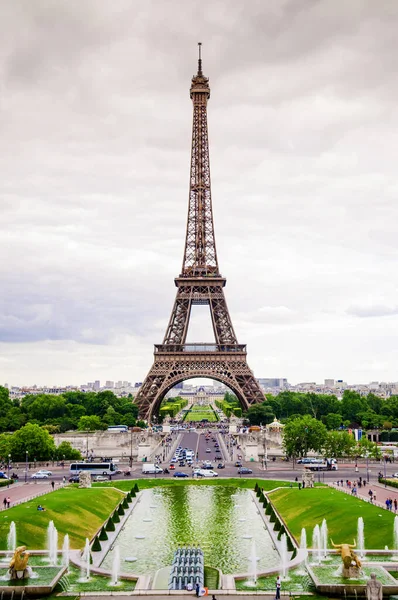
(26, 465)
(367, 467)
(385, 473)
(9, 458)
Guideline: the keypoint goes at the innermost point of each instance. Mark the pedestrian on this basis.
(213, 597)
(5, 503)
(370, 493)
(197, 588)
(8, 501)
(374, 497)
(299, 485)
(52, 485)
(395, 505)
(64, 480)
(278, 588)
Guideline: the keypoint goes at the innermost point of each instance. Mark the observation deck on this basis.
(200, 348)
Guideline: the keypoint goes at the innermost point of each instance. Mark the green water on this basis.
(332, 575)
(40, 576)
(222, 520)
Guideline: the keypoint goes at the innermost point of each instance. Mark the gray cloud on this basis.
(95, 122)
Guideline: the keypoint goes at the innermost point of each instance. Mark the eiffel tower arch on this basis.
(199, 283)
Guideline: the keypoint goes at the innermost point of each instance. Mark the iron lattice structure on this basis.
(200, 282)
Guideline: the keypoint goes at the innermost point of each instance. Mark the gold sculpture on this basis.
(351, 562)
(18, 567)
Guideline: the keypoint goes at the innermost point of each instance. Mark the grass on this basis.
(78, 512)
(308, 507)
(143, 484)
(197, 413)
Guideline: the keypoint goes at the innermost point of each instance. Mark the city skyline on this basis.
(95, 145)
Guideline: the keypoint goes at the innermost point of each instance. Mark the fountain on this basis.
(52, 543)
(85, 569)
(253, 565)
(316, 544)
(65, 551)
(324, 539)
(361, 537)
(303, 543)
(284, 554)
(116, 566)
(12, 538)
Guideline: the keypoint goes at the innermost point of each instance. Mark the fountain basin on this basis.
(42, 582)
(328, 580)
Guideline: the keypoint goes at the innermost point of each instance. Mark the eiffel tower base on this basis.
(169, 368)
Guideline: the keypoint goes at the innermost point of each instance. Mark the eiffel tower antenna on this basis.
(199, 283)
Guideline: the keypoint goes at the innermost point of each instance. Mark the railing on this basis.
(200, 348)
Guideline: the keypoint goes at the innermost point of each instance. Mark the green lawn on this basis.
(78, 512)
(237, 482)
(197, 413)
(308, 507)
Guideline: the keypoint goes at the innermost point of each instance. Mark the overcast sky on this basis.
(95, 132)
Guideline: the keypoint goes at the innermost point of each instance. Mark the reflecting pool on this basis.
(222, 520)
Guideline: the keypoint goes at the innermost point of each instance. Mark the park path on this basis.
(21, 492)
(379, 490)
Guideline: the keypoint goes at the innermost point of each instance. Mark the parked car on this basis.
(238, 463)
(180, 474)
(74, 479)
(244, 471)
(3, 475)
(220, 466)
(39, 475)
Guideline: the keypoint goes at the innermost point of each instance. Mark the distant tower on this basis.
(200, 282)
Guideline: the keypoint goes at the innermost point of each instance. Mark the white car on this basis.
(208, 449)
(49, 473)
(100, 478)
(39, 475)
(204, 473)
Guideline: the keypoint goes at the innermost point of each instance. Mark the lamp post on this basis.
(385, 472)
(9, 458)
(26, 465)
(367, 467)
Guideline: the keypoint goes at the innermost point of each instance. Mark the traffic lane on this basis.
(208, 450)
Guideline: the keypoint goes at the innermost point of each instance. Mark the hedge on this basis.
(110, 526)
(115, 517)
(120, 510)
(96, 547)
(103, 535)
(4, 482)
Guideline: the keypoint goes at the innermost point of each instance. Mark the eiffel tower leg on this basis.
(169, 368)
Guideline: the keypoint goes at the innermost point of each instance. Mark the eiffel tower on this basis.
(200, 282)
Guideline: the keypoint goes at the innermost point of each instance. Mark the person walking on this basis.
(197, 588)
(5, 503)
(8, 501)
(395, 505)
(52, 485)
(278, 588)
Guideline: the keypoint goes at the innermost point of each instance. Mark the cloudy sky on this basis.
(95, 127)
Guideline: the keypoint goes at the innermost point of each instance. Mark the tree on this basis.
(90, 423)
(303, 434)
(5, 446)
(332, 420)
(339, 443)
(260, 414)
(35, 440)
(368, 449)
(65, 451)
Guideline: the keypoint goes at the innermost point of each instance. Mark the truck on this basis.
(329, 464)
(151, 469)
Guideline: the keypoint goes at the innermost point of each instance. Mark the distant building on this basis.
(329, 382)
(97, 384)
(275, 382)
(109, 384)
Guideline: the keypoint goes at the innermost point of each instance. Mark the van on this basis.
(151, 469)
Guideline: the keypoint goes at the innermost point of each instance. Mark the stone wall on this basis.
(113, 444)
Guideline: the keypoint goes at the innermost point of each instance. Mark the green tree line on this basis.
(86, 411)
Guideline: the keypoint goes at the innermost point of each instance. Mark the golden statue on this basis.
(351, 562)
(18, 568)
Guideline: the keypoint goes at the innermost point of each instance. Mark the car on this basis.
(208, 473)
(174, 459)
(172, 467)
(208, 449)
(244, 471)
(49, 473)
(3, 475)
(238, 463)
(181, 464)
(220, 466)
(100, 478)
(39, 475)
(207, 466)
(180, 474)
(74, 479)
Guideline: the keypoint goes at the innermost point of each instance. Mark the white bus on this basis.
(104, 468)
(118, 428)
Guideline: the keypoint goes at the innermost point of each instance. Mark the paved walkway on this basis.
(380, 491)
(21, 492)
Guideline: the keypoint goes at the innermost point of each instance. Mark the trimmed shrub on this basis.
(125, 504)
(128, 497)
(96, 547)
(136, 488)
(265, 502)
(281, 532)
(132, 492)
(120, 510)
(294, 553)
(257, 488)
(277, 526)
(110, 526)
(5, 482)
(115, 517)
(103, 535)
(269, 509)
